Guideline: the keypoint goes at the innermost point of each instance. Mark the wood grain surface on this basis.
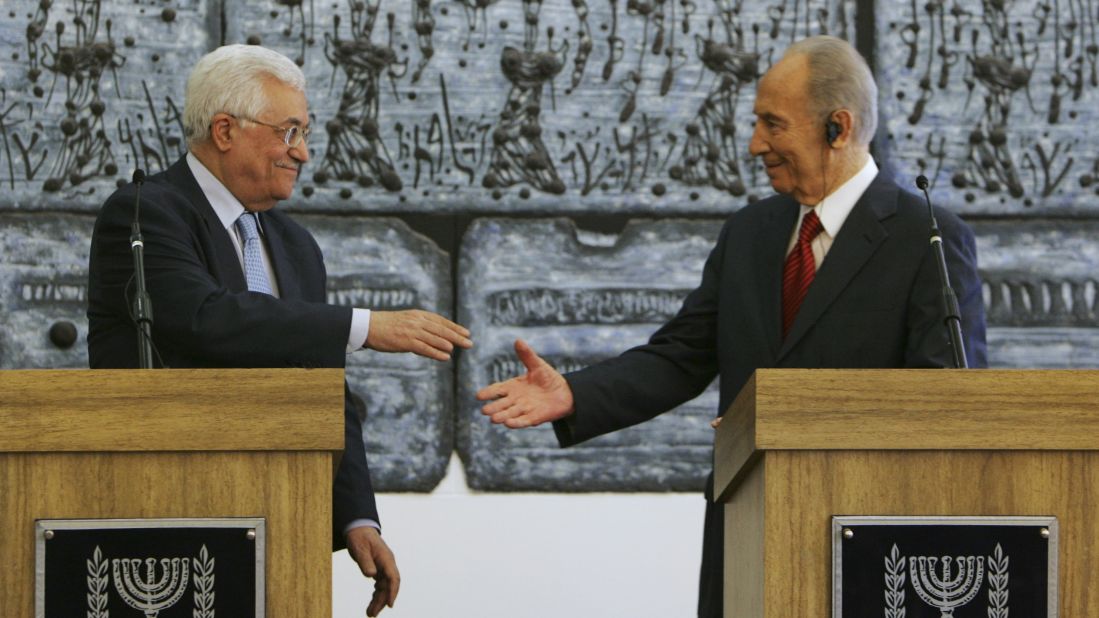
(171, 410)
(801, 446)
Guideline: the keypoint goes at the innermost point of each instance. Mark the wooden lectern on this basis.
(180, 443)
(801, 445)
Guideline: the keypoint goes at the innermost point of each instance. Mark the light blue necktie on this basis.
(254, 272)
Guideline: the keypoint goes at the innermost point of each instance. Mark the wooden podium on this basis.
(178, 443)
(801, 445)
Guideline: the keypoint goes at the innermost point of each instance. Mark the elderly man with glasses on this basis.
(237, 283)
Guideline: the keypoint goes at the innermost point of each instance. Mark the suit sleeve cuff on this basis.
(360, 328)
(562, 429)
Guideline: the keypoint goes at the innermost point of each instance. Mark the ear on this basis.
(843, 126)
(222, 131)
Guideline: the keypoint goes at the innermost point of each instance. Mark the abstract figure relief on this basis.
(609, 106)
(356, 151)
(90, 95)
(994, 101)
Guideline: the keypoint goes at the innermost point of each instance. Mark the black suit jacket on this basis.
(875, 302)
(203, 313)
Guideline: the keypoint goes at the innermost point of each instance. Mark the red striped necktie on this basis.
(799, 270)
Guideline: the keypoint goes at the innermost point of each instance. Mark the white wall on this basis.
(463, 553)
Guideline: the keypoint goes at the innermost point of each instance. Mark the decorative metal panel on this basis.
(166, 568)
(929, 567)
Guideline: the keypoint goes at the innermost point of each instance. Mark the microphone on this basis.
(952, 315)
(142, 304)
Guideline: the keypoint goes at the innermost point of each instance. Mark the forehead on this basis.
(284, 102)
(783, 88)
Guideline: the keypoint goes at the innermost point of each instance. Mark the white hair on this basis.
(230, 79)
(839, 78)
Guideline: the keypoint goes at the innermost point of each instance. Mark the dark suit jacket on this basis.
(875, 302)
(203, 315)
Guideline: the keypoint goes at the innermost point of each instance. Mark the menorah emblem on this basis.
(151, 594)
(958, 584)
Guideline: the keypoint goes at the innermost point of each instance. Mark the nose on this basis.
(757, 145)
(300, 153)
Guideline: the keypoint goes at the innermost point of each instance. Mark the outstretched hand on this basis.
(413, 330)
(540, 396)
(370, 552)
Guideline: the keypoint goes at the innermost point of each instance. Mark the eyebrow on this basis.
(294, 120)
(770, 117)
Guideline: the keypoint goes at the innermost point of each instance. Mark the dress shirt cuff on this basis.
(361, 523)
(360, 328)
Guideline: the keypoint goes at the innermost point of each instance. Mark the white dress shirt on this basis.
(833, 210)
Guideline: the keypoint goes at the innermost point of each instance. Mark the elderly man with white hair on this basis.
(236, 282)
(835, 271)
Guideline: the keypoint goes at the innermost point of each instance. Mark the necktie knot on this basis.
(811, 227)
(246, 223)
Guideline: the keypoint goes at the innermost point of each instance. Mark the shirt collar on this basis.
(835, 207)
(227, 207)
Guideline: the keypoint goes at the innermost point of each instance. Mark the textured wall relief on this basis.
(525, 105)
(577, 298)
(43, 290)
(1041, 293)
(382, 265)
(996, 102)
(90, 90)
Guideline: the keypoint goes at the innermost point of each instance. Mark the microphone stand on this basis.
(142, 304)
(951, 312)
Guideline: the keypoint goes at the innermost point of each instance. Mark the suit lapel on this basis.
(771, 252)
(274, 233)
(225, 263)
(859, 238)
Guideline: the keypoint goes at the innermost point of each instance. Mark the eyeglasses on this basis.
(292, 136)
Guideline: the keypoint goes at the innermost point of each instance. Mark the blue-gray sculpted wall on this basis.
(90, 90)
(381, 264)
(577, 298)
(995, 102)
(454, 139)
(525, 105)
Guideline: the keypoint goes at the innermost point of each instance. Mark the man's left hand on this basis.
(366, 547)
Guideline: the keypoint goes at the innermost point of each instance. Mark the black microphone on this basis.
(952, 314)
(142, 304)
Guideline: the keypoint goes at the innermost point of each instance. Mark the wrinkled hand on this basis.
(716, 422)
(540, 396)
(420, 332)
(369, 551)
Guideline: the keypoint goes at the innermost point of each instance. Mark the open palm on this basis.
(541, 395)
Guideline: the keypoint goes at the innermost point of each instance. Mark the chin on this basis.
(781, 187)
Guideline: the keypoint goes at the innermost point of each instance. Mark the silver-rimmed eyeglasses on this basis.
(292, 136)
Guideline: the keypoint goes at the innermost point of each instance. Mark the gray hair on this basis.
(839, 78)
(230, 79)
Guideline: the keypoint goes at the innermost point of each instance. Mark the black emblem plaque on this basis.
(162, 568)
(929, 567)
